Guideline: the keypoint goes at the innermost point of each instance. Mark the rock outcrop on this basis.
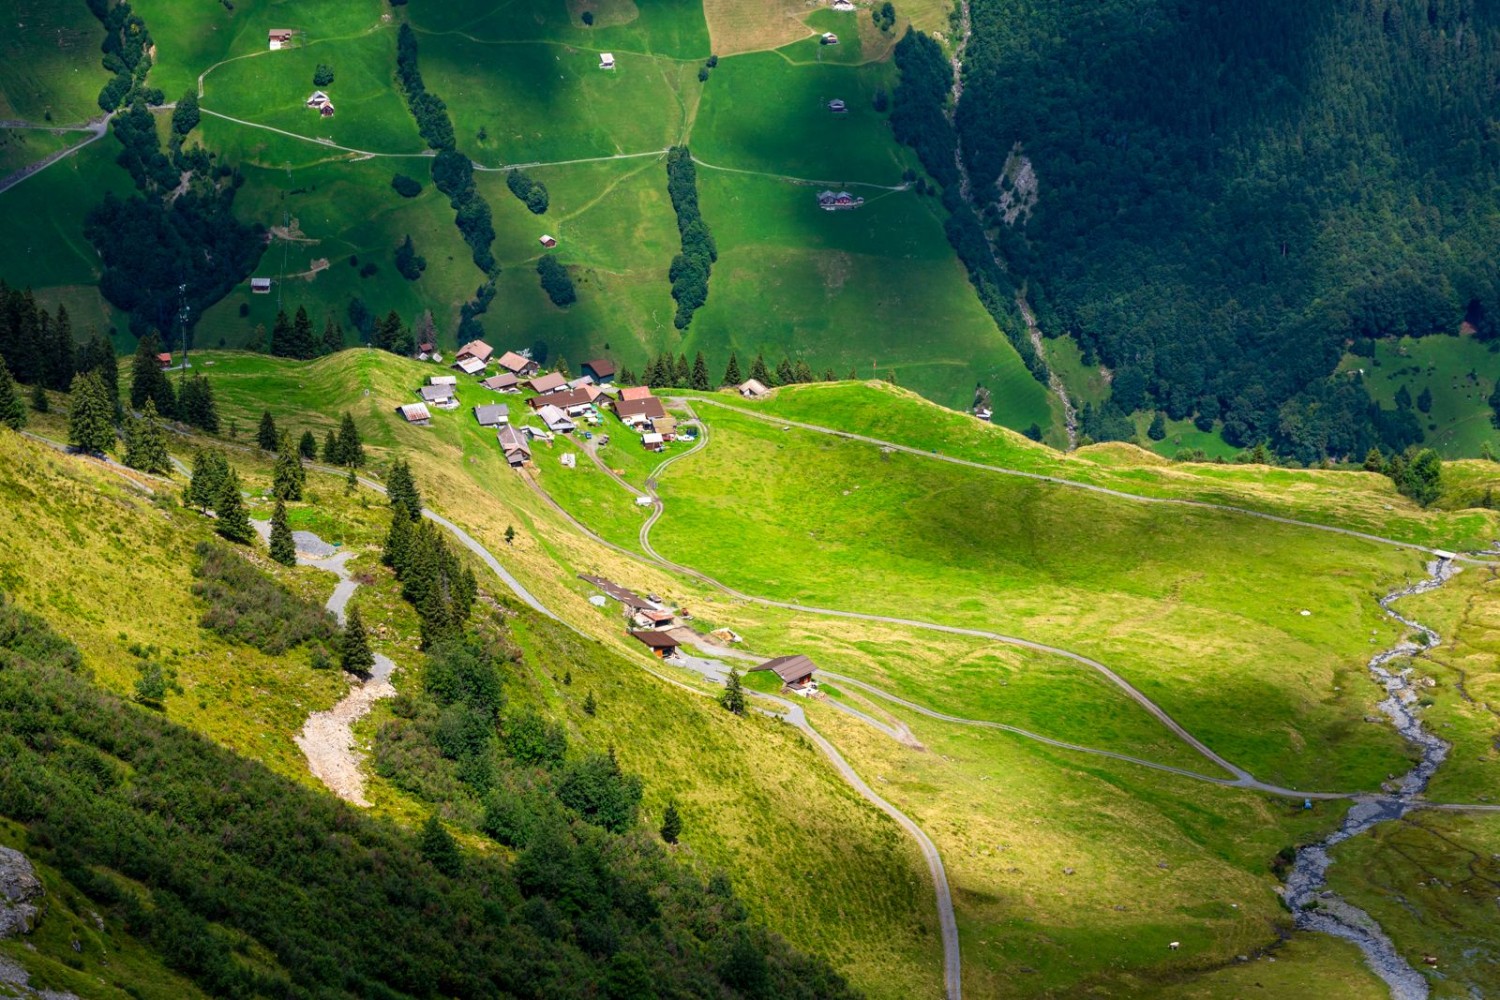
(20, 893)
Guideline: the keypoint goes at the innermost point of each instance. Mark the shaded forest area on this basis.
(1228, 194)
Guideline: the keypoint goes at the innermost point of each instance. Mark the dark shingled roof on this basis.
(656, 640)
(789, 668)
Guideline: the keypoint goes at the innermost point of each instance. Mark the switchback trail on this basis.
(97, 128)
(1075, 484)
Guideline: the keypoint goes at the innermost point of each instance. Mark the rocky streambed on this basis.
(1314, 906)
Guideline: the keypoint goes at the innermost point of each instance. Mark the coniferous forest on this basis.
(1229, 194)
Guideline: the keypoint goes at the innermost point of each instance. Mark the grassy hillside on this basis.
(1459, 371)
(47, 62)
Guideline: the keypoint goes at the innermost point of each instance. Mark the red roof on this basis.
(635, 392)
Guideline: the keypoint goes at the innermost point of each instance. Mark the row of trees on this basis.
(433, 579)
(665, 372)
(452, 171)
(690, 269)
(531, 192)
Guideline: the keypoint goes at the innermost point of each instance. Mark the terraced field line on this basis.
(1075, 484)
(325, 143)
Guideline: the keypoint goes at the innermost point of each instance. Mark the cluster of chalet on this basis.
(320, 102)
(837, 201)
(559, 404)
(279, 38)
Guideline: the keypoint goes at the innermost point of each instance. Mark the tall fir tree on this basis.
(671, 824)
(682, 372)
(330, 449)
(91, 426)
(784, 373)
(732, 375)
(283, 546)
(266, 435)
(307, 447)
(700, 374)
(303, 344)
(398, 541)
(333, 337)
(562, 369)
(281, 336)
(196, 404)
(148, 381)
(759, 373)
(351, 450)
(440, 849)
(354, 645)
(146, 442)
(288, 478)
(12, 410)
(733, 697)
(802, 371)
(234, 522)
(39, 399)
(401, 490)
(99, 355)
(209, 469)
(62, 356)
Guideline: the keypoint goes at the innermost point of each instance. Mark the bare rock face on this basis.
(20, 892)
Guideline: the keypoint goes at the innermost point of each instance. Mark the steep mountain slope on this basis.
(1217, 197)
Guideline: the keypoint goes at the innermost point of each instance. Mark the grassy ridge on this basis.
(49, 62)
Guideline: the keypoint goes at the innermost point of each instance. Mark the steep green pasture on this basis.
(344, 209)
(1200, 609)
(49, 61)
(192, 38)
(271, 88)
(875, 289)
(672, 28)
(1359, 500)
(762, 113)
(1460, 372)
(546, 102)
(22, 146)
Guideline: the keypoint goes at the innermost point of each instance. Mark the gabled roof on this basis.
(550, 382)
(443, 380)
(656, 640)
(553, 417)
(635, 392)
(490, 414)
(581, 396)
(628, 598)
(650, 408)
(511, 361)
(436, 393)
(505, 380)
(471, 365)
(477, 349)
(754, 387)
(415, 412)
(601, 367)
(789, 668)
(513, 440)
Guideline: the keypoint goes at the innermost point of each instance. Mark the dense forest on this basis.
(1228, 194)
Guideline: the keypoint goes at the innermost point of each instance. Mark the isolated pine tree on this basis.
(90, 426)
(671, 824)
(307, 447)
(303, 344)
(209, 470)
(733, 697)
(440, 849)
(12, 411)
(354, 646)
(590, 706)
(234, 523)
(700, 374)
(732, 374)
(283, 546)
(351, 450)
(759, 373)
(39, 399)
(266, 435)
(1374, 461)
(510, 534)
(330, 449)
(289, 477)
(146, 443)
(1158, 429)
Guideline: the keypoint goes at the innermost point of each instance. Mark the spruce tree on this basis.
(146, 443)
(90, 426)
(281, 336)
(732, 375)
(671, 824)
(682, 373)
(440, 849)
(303, 344)
(63, 352)
(289, 477)
(398, 542)
(39, 399)
(784, 373)
(590, 706)
(12, 411)
(330, 449)
(233, 523)
(401, 490)
(266, 436)
(209, 470)
(1158, 429)
(733, 697)
(801, 372)
(351, 450)
(829, 376)
(283, 546)
(562, 369)
(308, 446)
(1374, 460)
(700, 374)
(99, 355)
(148, 381)
(354, 646)
(196, 405)
(759, 373)
(333, 337)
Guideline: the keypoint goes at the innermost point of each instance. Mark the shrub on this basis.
(405, 186)
(323, 75)
(556, 282)
(246, 605)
